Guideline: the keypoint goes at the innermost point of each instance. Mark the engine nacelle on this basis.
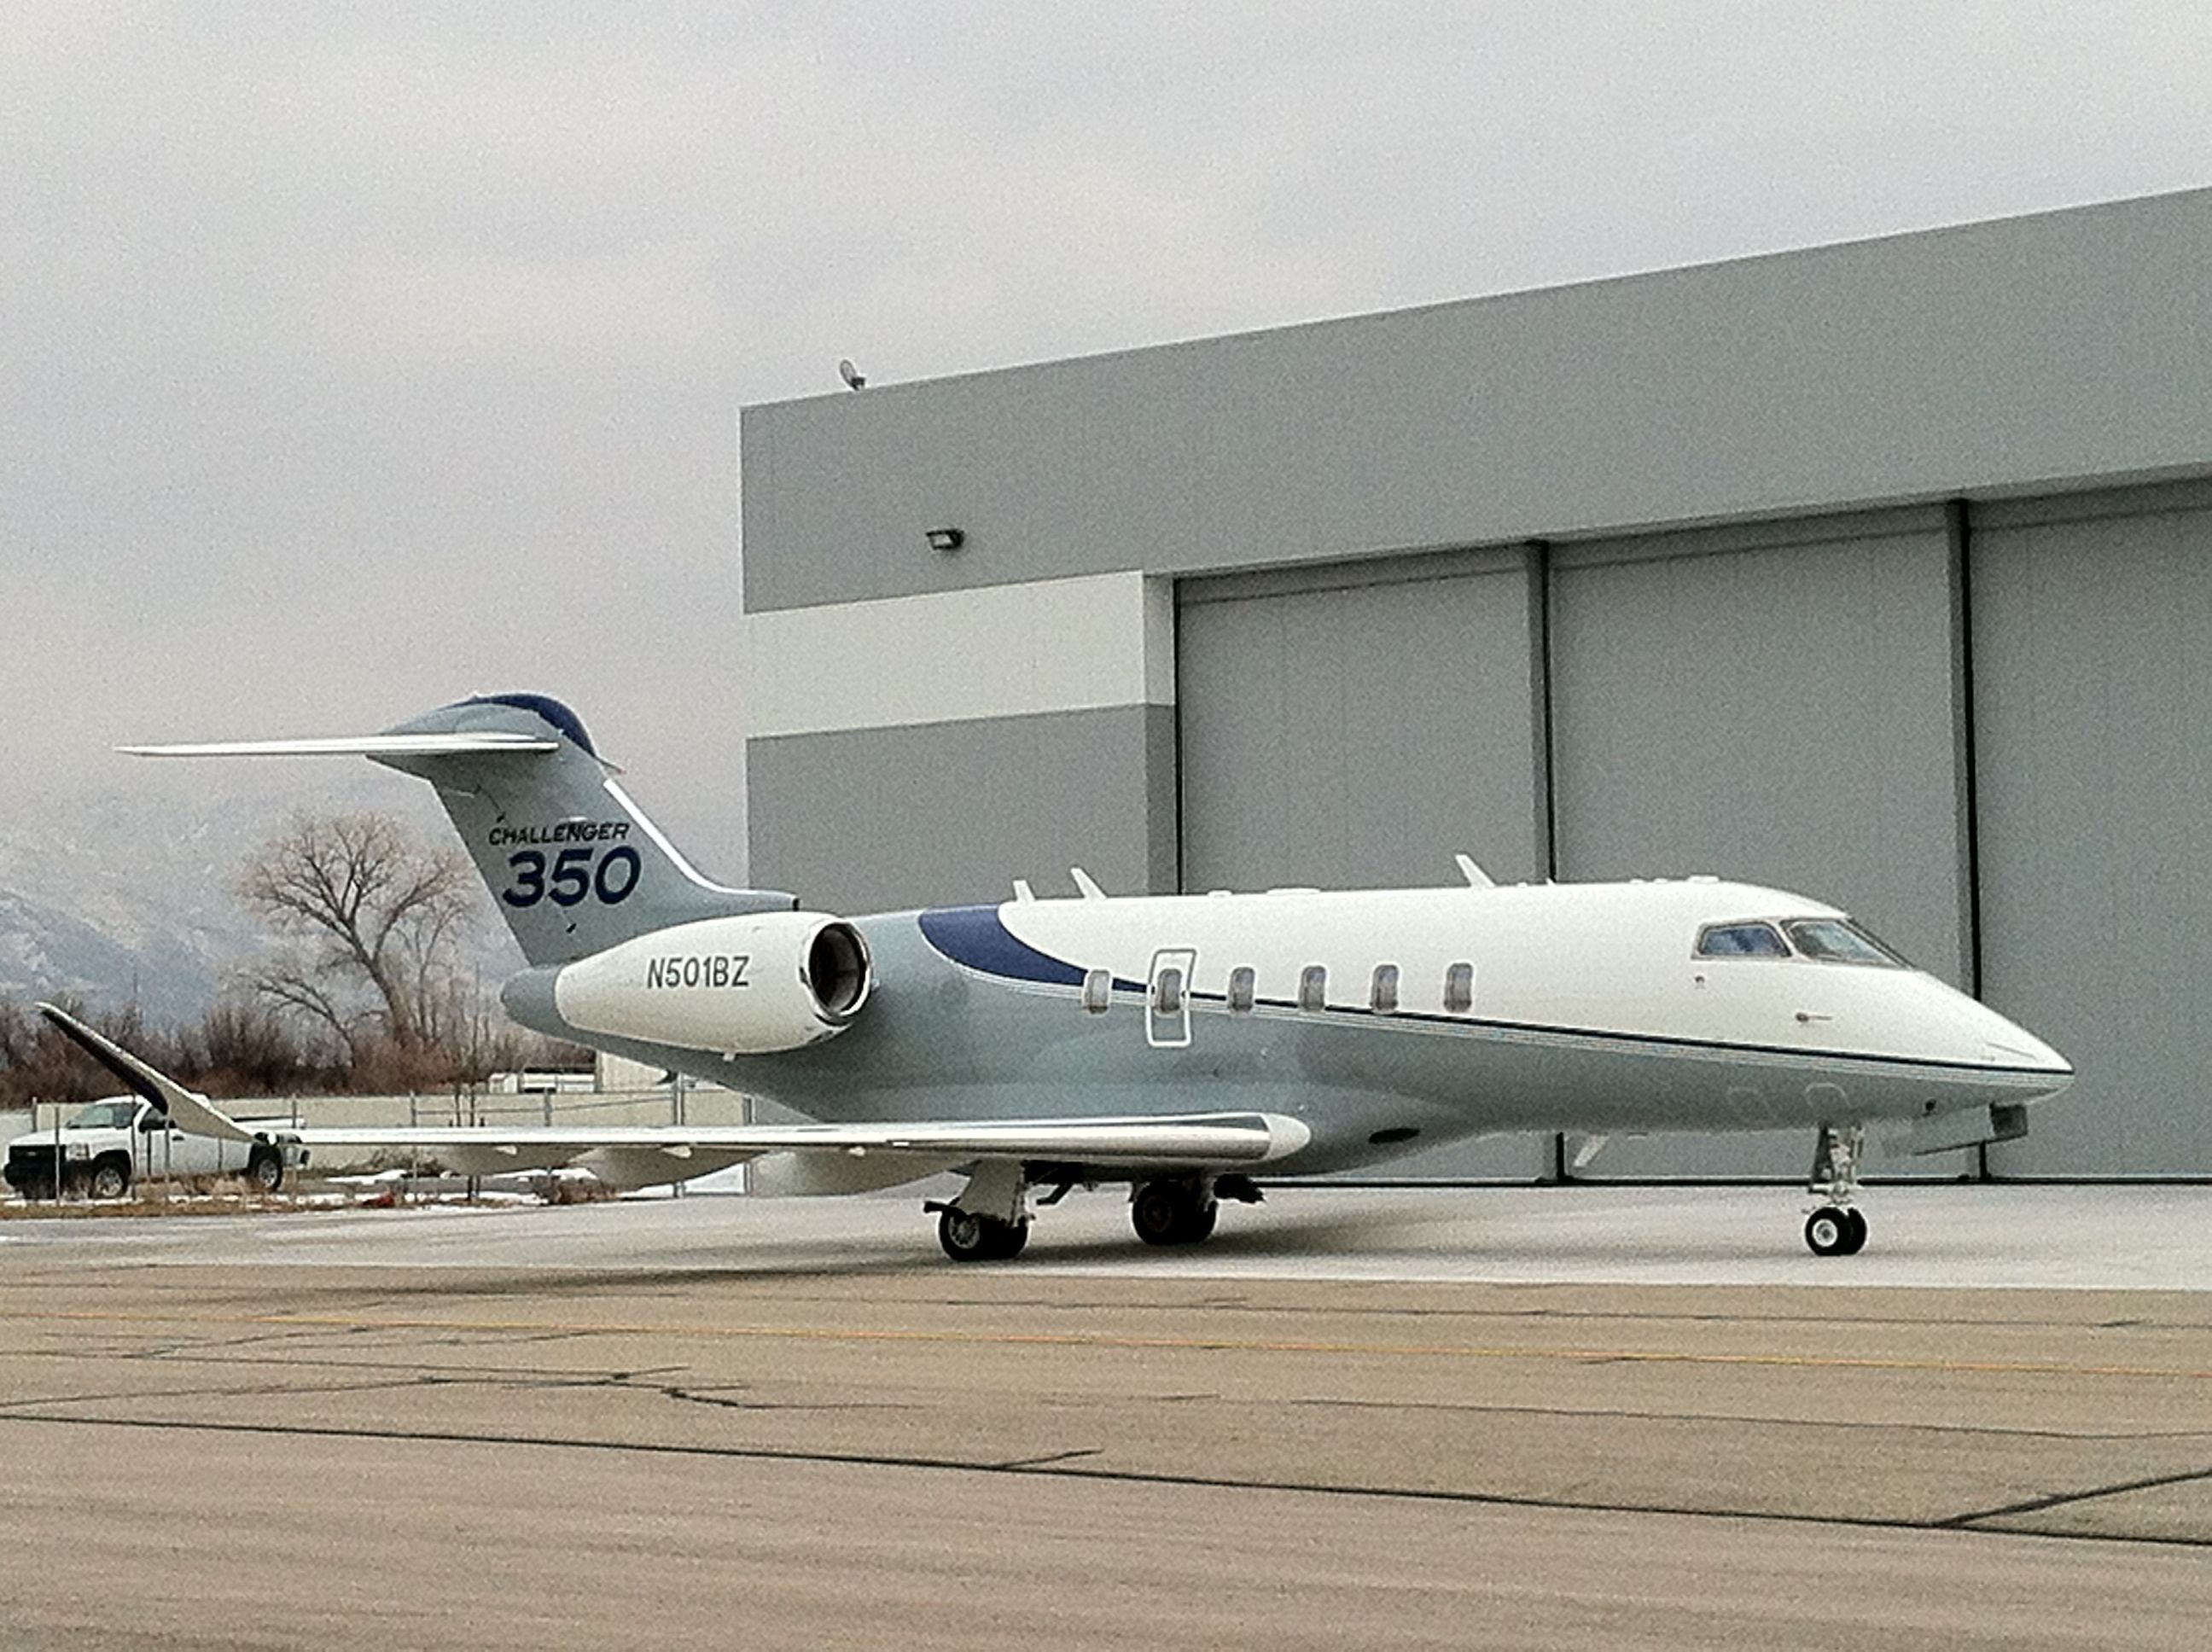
(751, 985)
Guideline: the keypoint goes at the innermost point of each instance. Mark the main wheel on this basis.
(1172, 1213)
(264, 1172)
(968, 1237)
(110, 1179)
(1856, 1218)
(1828, 1231)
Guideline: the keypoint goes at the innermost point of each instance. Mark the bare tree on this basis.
(242, 1047)
(372, 922)
(38, 1064)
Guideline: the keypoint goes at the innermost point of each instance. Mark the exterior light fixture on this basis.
(945, 539)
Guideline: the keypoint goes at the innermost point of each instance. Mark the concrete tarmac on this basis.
(608, 1427)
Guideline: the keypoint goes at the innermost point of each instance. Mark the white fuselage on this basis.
(1606, 958)
(1377, 1020)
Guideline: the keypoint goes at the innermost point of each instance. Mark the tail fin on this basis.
(573, 866)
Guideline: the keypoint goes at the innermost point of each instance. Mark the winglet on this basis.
(190, 1111)
(1476, 877)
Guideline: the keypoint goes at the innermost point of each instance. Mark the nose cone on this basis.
(2007, 1044)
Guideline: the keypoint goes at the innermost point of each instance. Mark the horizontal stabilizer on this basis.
(357, 745)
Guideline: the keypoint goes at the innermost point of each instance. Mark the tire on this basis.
(1856, 1218)
(1828, 1231)
(1172, 1213)
(968, 1237)
(264, 1172)
(1155, 1212)
(110, 1178)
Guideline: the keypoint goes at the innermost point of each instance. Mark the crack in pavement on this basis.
(535, 1381)
(723, 1402)
(1823, 1424)
(2061, 1499)
(1015, 1464)
(1065, 1469)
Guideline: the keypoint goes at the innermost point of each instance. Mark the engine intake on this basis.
(745, 986)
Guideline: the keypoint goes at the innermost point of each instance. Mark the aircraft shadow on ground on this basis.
(1347, 1226)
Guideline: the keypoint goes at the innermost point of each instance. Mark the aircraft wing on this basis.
(191, 1111)
(1194, 1140)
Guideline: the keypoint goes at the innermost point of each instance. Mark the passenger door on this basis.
(1167, 998)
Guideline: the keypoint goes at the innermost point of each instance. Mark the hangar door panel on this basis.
(1356, 737)
(1780, 714)
(2093, 746)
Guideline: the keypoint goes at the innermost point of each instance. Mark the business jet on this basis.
(1187, 1046)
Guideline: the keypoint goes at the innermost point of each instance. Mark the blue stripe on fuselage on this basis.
(973, 936)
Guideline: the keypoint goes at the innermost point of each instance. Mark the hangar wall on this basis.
(1860, 571)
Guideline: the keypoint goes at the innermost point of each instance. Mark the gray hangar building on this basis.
(1880, 571)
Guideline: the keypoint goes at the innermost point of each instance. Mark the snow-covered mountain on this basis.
(126, 895)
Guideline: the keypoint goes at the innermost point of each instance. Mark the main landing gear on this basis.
(1173, 1213)
(989, 1222)
(970, 1237)
(1181, 1210)
(1838, 1228)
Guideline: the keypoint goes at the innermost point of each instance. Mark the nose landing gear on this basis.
(1836, 1228)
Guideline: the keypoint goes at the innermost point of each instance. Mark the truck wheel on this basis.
(264, 1172)
(110, 1179)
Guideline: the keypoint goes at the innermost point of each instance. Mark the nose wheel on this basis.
(1838, 1228)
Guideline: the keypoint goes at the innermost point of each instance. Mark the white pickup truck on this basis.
(108, 1145)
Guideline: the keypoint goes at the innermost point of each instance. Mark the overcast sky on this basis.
(354, 357)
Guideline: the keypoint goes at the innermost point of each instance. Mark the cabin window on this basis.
(1839, 940)
(1313, 987)
(1241, 989)
(1383, 990)
(1741, 941)
(1098, 991)
(1459, 989)
(1167, 991)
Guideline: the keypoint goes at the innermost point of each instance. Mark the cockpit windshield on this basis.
(104, 1115)
(1822, 940)
(1839, 940)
